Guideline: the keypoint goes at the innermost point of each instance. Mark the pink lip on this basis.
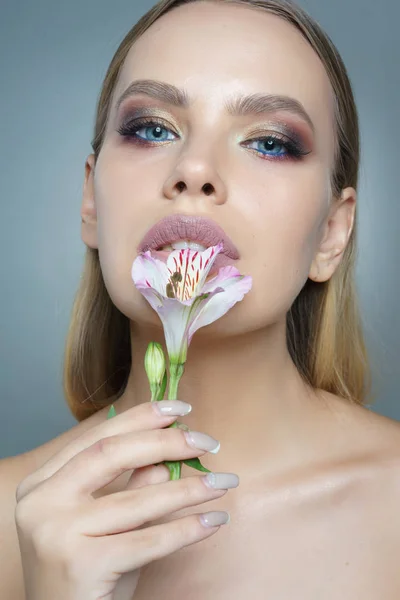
(186, 227)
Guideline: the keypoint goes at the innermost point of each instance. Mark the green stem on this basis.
(175, 373)
(157, 393)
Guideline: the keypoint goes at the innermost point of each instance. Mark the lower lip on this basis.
(221, 261)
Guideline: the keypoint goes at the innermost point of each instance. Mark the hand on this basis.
(76, 547)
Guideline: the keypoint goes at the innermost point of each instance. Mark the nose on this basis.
(195, 179)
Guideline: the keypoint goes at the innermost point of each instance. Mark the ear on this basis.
(337, 230)
(88, 209)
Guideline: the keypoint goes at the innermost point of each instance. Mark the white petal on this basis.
(226, 276)
(175, 318)
(221, 303)
(193, 265)
(153, 298)
(151, 272)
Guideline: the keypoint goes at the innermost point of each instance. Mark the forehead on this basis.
(216, 50)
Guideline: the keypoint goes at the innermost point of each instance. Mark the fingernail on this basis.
(215, 518)
(175, 408)
(202, 441)
(221, 481)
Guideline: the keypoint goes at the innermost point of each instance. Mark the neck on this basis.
(245, 391)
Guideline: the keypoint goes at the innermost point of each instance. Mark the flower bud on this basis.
(154, 363)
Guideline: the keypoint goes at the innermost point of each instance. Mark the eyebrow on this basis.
(239, 106)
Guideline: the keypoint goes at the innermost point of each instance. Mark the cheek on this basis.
(117, 254)
(116, 261)
(120, 226)
(280, 257)
(279, 265)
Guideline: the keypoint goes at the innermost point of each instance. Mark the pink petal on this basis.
(155, 299)
(221, 303)
(150, 272)
(225, 276)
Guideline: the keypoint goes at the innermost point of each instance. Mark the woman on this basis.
(281, 381)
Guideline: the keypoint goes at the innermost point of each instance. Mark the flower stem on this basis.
(175, 373)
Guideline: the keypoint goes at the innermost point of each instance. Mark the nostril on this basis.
(208, 189)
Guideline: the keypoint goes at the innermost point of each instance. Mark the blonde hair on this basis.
(324, 329)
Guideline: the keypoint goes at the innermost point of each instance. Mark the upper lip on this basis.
(187, 227)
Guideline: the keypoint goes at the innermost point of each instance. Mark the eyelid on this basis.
(282, 130)
(267, 133)
(289, 134)
(277, 128)
(145, 113)
(147, 119)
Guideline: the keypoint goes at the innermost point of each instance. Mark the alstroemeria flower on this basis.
(179, 292)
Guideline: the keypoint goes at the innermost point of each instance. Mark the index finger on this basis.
(141, 417)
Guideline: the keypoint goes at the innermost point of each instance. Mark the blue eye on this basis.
(272, 143)
(151, 126)
(155, 130)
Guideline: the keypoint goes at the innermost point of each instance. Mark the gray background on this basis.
(53, 57)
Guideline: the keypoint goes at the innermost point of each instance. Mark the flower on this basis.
(179, 292)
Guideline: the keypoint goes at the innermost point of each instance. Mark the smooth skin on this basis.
(316, 514)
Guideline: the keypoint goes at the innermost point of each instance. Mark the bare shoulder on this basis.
(13, 470)
(377, 497)
(25, 463)
(379, 433)
(371, 446)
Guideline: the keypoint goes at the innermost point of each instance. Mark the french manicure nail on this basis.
(175, 408)
(215, 518)
(221, 481)
(202, 441)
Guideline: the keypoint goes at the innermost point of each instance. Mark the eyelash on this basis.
(129, 130)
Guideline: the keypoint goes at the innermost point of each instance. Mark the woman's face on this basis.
(272, 204)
